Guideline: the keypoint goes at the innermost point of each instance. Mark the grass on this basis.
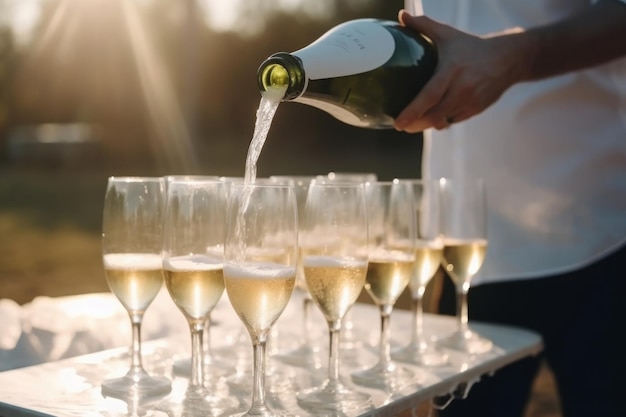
(50, 234)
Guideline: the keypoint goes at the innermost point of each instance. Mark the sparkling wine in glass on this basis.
(334, 256)
(307, 353)
(261, 254)
(464, 226)
(391, 223)
(428, 252)
(132, 227)
(193, 263)
(216, 367)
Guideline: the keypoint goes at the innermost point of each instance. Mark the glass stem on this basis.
(418, 316)
(333, 357)
(348, 324)
(259, 344)
(462, 307)
(197, 361)
(207, 355)
(385, 349)
(136, 366)
(306, 313)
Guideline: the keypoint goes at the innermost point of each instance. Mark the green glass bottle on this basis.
(363, 72)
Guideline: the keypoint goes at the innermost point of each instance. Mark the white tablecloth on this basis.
(52, 328)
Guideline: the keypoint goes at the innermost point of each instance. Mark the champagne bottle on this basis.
(363, 72)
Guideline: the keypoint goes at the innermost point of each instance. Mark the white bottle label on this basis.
(350, 48)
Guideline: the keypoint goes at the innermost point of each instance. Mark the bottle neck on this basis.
(282, 71)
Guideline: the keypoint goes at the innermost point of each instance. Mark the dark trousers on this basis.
(582, 318)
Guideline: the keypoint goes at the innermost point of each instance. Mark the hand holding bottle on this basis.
(474, 71)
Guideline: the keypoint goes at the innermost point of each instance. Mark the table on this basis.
(71, 387)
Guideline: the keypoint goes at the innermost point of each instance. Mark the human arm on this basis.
(474, 71)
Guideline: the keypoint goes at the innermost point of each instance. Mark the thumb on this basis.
(422, 24)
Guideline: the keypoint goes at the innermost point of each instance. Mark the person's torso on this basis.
(553, 152)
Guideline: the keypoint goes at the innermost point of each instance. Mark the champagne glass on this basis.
(240, 381)
(428, 252)
(391, 223)
(132, 226)
(334, 255)
(193, 263)
(359, 177)
(464, 225)
(261, 253)
(306, 354)
(170, 178)
(349, 339)
(183, 367)
(243, 336)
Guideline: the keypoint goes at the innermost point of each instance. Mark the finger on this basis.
(427, 122)
(415, 126)
(422, 24)
(443, 123)
(403, 15)
(444, 119)
(428, 98)
(440, 116)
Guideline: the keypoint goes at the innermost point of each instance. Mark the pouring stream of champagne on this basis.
(264, 116)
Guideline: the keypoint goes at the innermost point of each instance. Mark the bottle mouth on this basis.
(281, 72)
(274, 76)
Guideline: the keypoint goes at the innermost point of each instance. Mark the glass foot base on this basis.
(466, 341)
(384, 376)
(422, 354)
(200, 402)
(336, 398)
(266, 412)
(143, 386)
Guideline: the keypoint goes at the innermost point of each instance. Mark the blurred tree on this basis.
(6, 77)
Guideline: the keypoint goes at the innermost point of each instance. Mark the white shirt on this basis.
(552, 152)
